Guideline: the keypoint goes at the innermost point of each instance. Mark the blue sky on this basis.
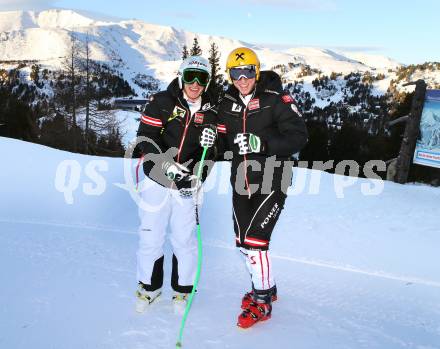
(403, 30)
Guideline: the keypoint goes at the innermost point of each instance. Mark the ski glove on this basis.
(176, 172)
(188, 186)
(248, 143)
(208, 136)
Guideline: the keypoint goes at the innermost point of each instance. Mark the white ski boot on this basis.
(145, 298)
(180, 300)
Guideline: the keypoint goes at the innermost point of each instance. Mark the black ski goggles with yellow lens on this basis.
(189, 76)
(248, 72)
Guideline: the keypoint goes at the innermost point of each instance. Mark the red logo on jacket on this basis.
(287, 99)
(254, 104)
(198, 118)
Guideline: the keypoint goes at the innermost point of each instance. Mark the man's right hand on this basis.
(189, 186)
(176, 172)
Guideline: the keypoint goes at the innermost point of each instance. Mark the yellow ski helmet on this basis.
(240, 57)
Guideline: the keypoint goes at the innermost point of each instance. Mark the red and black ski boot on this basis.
(254, 313)
(248, 298)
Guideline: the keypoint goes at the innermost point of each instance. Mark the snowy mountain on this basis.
(23, 20)
(329, 86)
(353, 271)
(138, 47)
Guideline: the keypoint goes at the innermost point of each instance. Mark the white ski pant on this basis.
(259, 265)
(163, 208)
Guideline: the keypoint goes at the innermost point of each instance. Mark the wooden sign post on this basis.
(412, 130)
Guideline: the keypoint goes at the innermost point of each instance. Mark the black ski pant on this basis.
(255, 218)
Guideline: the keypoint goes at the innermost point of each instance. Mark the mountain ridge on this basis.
(155, 42)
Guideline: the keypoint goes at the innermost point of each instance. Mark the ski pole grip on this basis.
(200, 168)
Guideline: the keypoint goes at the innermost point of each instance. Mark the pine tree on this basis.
(184, 52)
(214, 59)
(195, 49)
(216, 79)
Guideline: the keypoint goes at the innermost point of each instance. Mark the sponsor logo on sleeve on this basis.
(221, 128)
(287, 99)
(295, 109)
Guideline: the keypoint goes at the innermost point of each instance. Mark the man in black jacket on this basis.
(263, 128)
(174, 128)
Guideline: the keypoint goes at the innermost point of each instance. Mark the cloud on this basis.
(6, 5)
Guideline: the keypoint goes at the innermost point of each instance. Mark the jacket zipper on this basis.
(245, 157)
(187, 122)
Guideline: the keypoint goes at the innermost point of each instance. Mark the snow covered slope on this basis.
(326, 60)
(353, 272)
(374, 61)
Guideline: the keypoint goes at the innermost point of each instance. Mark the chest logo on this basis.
(206, 106)
(254, 104)
(236, 107)
(198, 118)
(177, 113)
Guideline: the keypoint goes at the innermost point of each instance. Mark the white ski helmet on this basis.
(195, 63)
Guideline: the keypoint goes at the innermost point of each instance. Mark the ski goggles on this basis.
(189, 76)
(247, 72)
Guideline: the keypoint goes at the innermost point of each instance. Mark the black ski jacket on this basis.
(172, 132)
(272, 115)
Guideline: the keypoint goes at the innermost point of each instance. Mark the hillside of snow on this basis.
(356, 262)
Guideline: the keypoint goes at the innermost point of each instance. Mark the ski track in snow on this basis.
(406, 279)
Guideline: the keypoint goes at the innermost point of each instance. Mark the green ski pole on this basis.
(199, 258)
